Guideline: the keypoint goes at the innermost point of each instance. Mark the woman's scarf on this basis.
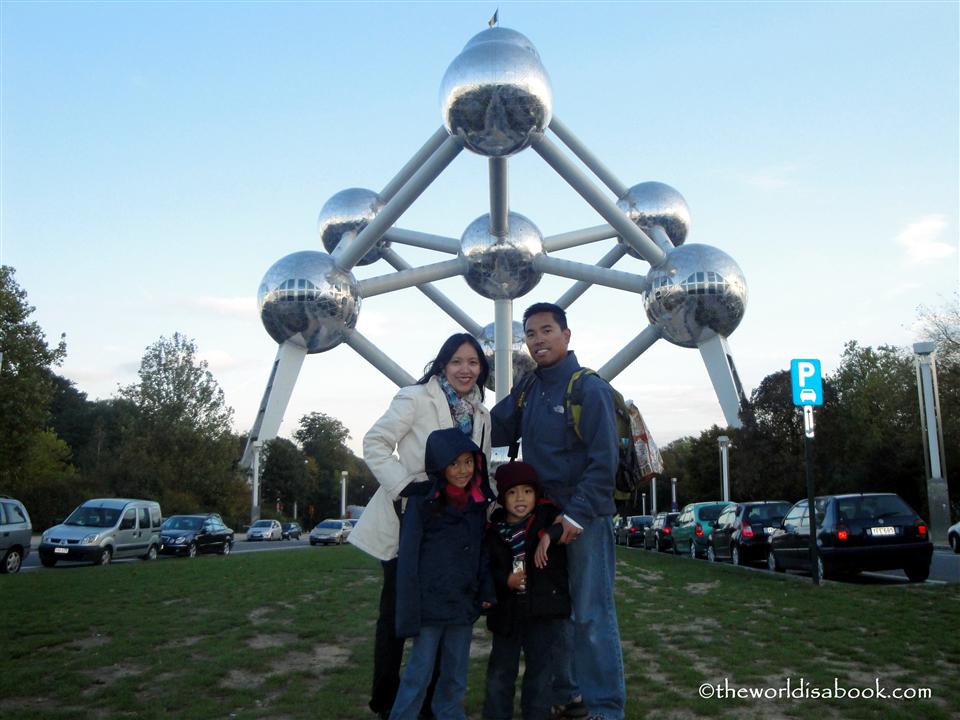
(461, 408)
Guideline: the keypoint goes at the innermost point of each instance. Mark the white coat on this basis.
(393, 450)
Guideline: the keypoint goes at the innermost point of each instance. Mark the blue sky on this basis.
(157, 158)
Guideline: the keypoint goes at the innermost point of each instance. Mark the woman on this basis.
(450, 394)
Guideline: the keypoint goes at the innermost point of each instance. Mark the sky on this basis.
(157, 158)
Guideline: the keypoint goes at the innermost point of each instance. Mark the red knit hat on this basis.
(516, 473)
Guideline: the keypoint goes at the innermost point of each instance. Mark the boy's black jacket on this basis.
(548, 593)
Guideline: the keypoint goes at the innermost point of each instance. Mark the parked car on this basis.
(265, 530)
(15, 534)
(953, 537)
(290, 531)
(192, 534)
(865, 531)
(693, 527)
(740, 533)
(630, 532)
(330, 532)
(104, 529)
(659, 535)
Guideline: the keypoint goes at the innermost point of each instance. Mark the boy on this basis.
(529, 569)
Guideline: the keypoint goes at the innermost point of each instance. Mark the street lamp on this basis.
(644, 496)
(343, 493)
(724, 443)
(938, 495)
(673, 506)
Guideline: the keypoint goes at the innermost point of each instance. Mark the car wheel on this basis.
(735, 555)
(772, 564)
(711, 554)
(917, 573)
(227, 547)
(693, 550)
(955, 543)
(151, 553)
(106, 555)
(48, 561)
(11, 561)
(192, 550)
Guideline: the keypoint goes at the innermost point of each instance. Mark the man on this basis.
(579, 477)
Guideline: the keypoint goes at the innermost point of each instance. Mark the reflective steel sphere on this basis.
(697, 293)
(522, 362)
(496, 94)
(502, 267)
(653, 203)
(306, 299)
(345, 215)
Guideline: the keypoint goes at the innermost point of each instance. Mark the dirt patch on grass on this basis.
(323, 657)
(104, 677)
(701, 588)
(183, 642)
(88, 643)
(258, 642)
(241, 679)
(481, 642)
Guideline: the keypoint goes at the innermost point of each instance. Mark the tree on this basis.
(26, 388)
(323, 439)
(286, 474)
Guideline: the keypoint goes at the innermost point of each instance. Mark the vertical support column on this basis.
(499, 197)
(724, 442)
(938, 494)
(503, 343)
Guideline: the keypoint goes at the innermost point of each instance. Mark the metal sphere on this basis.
(522, 362)
(501, 268)
(698, 292)
(347, 213)
(306, 299)
(654, 203)
(496, 94)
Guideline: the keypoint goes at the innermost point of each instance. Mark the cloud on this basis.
(775, 178)
(921, 242)
(219, 360)
(236, 307)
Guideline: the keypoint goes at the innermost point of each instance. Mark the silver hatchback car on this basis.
(15, 534)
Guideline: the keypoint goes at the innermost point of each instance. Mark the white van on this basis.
(103, 529)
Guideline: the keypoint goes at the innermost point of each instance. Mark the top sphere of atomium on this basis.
(523, 363)
(698, 292)
(345, 215)
(307, 300)
(496, 94)
(501, 268)
(652, 203)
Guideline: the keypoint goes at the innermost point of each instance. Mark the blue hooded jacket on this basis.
(443, 572)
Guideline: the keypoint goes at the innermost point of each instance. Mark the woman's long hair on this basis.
(448, 350)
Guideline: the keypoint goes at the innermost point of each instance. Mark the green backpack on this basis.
(629, 474)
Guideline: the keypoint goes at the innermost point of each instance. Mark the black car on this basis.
(865, 531)
(740, 533)
(290, 531)
(192, 534)
(659, 535)
(630, 531)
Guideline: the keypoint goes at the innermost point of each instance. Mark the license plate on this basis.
(61, 551)
(885, 530)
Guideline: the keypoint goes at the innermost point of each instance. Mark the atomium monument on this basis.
(496, 100)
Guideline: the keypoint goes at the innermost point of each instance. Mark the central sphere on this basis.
(496, 94)
(501, 268)
(306, 299)
(344, 215)
(697, 293)
(522, 362)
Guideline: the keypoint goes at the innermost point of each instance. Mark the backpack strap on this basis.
(521, 391)
(573, 399)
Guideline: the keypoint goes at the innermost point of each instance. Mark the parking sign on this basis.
(807, 382)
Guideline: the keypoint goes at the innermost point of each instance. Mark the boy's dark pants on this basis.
(536, 639)
(388, 650)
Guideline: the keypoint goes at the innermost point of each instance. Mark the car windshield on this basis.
(768, 511)
(289, 526)
(93, 517)
(182, 523)
(872, 507)
(262, 524)
(639, 521)
(331, 524)
(711, 512)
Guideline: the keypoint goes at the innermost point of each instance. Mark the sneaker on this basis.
(573, 710)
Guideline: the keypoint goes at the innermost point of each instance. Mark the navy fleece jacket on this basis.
(579, 476)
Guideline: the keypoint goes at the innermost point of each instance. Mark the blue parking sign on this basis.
(807, 382)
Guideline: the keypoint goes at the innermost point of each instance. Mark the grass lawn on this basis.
(290, 635)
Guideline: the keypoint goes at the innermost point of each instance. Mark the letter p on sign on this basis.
(807, 382)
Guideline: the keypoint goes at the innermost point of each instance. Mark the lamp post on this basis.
(644, 496)
(724, 443)
(255, 483)
(343, 493)
(673, 487)
(938, 495)
(653, 495)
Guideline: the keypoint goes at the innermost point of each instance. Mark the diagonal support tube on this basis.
(575, 238)
(591, 273)
(439, 299)
(631, 351)
(414, 164)
(422, 240)
(376, 357)
(348, 254)
(414, 276)
(579, 288)
(588, 158)
(631, 234)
